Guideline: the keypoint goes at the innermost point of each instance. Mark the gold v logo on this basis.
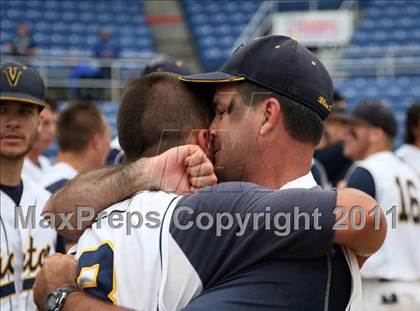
(13, 75)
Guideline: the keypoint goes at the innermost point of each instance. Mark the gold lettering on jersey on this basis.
(13, 75)
(8, 267)
(32, 259)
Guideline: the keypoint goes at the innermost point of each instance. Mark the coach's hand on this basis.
(182, 169)
(57, 271)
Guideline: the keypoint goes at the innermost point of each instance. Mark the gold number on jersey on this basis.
(97, 273)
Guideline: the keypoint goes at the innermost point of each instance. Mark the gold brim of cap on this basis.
(213, 81)
(24, 100)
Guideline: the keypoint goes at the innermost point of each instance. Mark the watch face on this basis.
(52, 300)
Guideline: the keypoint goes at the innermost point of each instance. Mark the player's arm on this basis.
(180, 169)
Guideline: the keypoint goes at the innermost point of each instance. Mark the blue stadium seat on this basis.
(71, 25)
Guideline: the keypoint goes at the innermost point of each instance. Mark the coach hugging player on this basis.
(270, 100)
(257, 113)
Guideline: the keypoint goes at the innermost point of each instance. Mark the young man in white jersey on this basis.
(409, 152)
(392, 275)
(36, 163)
(83, 138)
(24, 246)
(288, 163)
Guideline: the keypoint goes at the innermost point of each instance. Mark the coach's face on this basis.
(234, 130)
(18, 129)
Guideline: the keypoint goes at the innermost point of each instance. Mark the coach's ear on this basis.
(270, 115)
(203, 139)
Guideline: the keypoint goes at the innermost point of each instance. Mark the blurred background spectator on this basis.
(22, 44)
(106, 47)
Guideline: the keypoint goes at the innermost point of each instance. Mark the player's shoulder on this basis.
(30, 187)
(141, 202)
(407, 149)
(57, 172)
(384, 161)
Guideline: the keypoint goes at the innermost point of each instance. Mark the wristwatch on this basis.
(55, 300)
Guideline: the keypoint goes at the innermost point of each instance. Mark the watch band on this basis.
(56, 298)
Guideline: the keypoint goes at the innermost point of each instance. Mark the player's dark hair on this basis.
(302, 124)
(158, 112)
(337, 96)
(413, 120)
(76, 125)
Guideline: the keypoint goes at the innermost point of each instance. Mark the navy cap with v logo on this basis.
(21, 83)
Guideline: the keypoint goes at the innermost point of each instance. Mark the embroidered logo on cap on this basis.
(13, 75)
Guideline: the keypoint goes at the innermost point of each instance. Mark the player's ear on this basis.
(95, 141)
(376, 135)
(40, 122)
(270, 115)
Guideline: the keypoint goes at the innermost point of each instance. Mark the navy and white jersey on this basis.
(116, 154)
(179, 252)
(57, 176)
(410, 154)
(396, 187)
(319, 173)
(34, 171)
(23, 246)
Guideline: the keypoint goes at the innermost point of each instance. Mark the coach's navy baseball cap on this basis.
(281, 64)
(21, 83)
(374, 113)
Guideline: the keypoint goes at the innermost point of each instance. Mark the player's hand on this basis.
(57, 271)
(183, 169)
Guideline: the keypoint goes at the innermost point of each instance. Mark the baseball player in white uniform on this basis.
(35, 171)
(392, 275)
(25, 243)
(78, 153)
(36, 163)
(409, 152)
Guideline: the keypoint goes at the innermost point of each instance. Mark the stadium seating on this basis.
(388, 30)
(73, 27)
(216, 25)
(387, 27)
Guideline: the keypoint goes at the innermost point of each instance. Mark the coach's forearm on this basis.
(82, 302)
(96, 190)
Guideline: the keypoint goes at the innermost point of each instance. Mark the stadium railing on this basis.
(58, 71)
